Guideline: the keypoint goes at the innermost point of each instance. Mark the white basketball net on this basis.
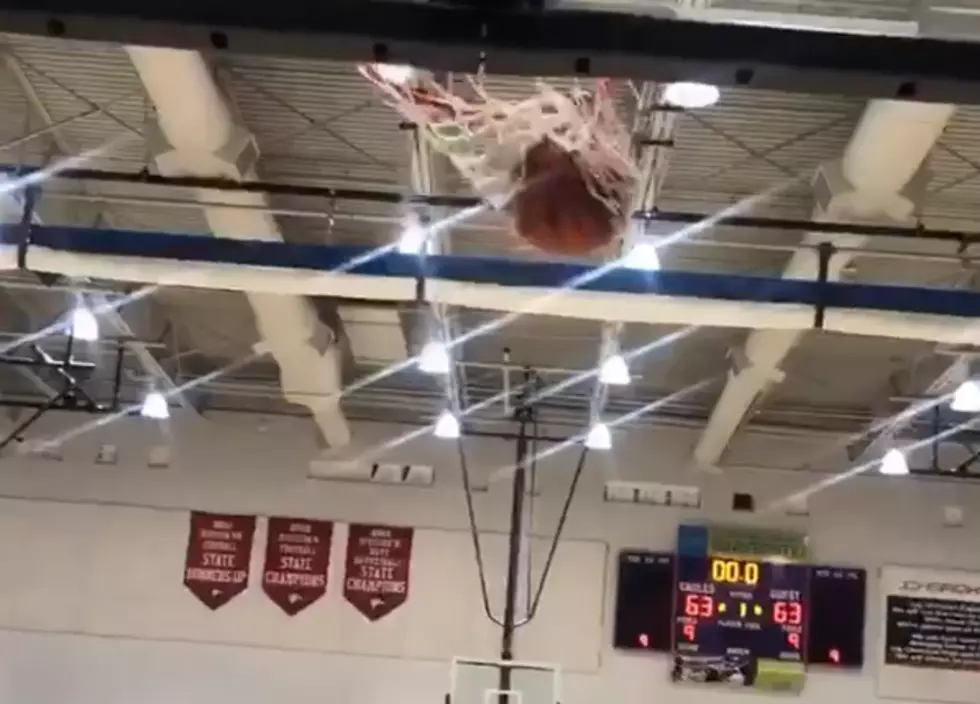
(486, 138)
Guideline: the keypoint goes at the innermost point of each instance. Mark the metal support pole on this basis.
(523, 414)
(26, 222)
(825, 250)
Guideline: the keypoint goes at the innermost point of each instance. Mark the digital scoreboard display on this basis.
(740, 622)
(834, 617)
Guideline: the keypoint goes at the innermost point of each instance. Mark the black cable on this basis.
(474, 531)
(556, 537)
(559, 529)
(532, 488)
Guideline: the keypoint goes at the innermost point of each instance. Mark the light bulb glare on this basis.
(155, 406)
(642, 257)
(447, 426)
(599, 437)
(966, 399)
(413, 240)
(398, 74)
(614, 371)
(84, 325)
(434, 358)
(690, 95)
(894, 464)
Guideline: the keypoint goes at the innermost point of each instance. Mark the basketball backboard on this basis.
(478, 681)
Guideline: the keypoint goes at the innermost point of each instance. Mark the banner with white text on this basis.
(297, 559)
(378, 567)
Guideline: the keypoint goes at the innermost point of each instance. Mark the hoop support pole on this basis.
(523, 414)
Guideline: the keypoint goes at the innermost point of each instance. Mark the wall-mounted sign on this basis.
(297, 557)
(378, 566)
(742, 542)
(218, 551)
(931, 648)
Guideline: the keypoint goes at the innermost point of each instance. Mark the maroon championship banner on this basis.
(297, 557)
(379, 560)
(218, 552)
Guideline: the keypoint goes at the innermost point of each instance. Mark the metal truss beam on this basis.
(72, 395)
(113, 316)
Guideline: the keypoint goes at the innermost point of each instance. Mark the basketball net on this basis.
(486, 138)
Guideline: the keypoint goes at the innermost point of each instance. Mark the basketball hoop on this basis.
(559, 160)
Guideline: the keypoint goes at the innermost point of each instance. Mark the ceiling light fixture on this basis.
(614, 371)
(966, 398)
(434, 358)
(399, 74)
(642, 257)
(447, 426)
(155, 406)
(894, 464)
(413, 239)
(599, 437)
(690, 95)
(84, 325)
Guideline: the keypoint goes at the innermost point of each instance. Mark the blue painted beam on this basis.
(385, 262)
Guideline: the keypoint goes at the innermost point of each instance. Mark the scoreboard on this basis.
(740, 621)
(721, 616)
(725, 607)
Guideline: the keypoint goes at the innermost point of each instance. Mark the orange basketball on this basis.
(554, 208)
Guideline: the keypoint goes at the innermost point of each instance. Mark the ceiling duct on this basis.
(884, 156)
(198, 126)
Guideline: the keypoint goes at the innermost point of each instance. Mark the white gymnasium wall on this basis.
(93, 610)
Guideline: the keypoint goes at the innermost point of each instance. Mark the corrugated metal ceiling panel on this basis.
(316, 120)
(754, 139)
(69, 76)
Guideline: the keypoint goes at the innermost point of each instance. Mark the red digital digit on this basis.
(692, 605)
(794, 640)
(787, 613)
(689, 631)
(644, 640)
(699, 605)
(834, 656)
(707, 606)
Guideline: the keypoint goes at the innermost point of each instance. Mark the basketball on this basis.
(554, 208)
